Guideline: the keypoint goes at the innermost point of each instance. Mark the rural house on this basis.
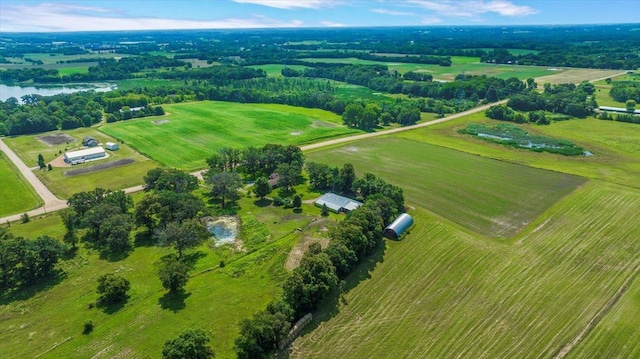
(89, 141)
(337, 203)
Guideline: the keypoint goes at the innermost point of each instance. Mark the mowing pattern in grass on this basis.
(441, 293)
(15, 193)
(490, 197)
(196, 130)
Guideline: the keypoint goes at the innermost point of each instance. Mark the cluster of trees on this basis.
(621, 117)
(623, 91)
(106, 216)
(319, 272)
(26, 261)
(420, 59)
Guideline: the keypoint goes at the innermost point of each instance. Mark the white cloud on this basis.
(392, 12)
(55, 17)
(430, 20)
(332, 24)
(291, 4)
(473, 8)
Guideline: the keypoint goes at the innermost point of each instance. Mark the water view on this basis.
(7, 92)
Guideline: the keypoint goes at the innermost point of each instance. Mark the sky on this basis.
(91, 15)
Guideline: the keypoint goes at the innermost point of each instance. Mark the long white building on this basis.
(80, 156)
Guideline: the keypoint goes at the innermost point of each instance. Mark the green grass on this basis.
(470, 65)
(51, 319)
(614, 144)
(489, 197)
(130, 84)
(197, 130)
(73, 70)
(445, 293)
(276, 69)
(28, 147)
(348, 91)
(16, 194)
(514, 51)
(47, 59)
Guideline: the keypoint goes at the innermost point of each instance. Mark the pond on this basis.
(7, 92)
(224, 229)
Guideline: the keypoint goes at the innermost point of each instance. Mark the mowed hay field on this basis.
(486, 196)
(444, 293)
(192, 132)
(16, 194)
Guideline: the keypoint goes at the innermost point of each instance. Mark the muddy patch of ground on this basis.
(160, 122)
(56, 139)
(100, 167)
(296, 133)
(318, 123)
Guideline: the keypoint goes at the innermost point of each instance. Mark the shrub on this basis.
(113, 288)
(88, 327)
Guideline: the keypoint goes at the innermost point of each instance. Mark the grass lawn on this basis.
(28, 147)
(16, 194)
(493, 198)
(73, 70)
(615, 146)
(445, 293)
(196, 130)
(50, 318)
(470, 65)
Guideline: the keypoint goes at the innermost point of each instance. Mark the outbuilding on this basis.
(398, 226)
(111, 146)
(336, 203)
(80, 156)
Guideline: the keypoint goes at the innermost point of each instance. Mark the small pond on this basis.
(7, 92)
(224, 229)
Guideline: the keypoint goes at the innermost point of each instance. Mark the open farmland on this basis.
(16, 194)
(191, 132)
(489, 197)
(615, 146)
(468, 65)
(445, 293)
(276, 69)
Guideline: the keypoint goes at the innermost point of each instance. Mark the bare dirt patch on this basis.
(296, 133)
(575, 75)
(294, 257)
(56, 139)
(100, 167)
(160, 122)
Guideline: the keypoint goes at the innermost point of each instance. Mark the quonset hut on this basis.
(398, 226)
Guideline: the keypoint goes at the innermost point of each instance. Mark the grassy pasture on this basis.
(198, 129)
(16, 194)
(445, 293)
(50, 319)
(513, 51)
(28, 147)
(493, 198)
(276, 69)
(615, 145)
(470, 65)
(47, 59)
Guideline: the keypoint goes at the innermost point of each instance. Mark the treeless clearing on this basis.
(576, 76)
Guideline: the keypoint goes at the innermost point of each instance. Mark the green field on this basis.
(468, 65)
(490, 197)
(444, 293)
(51, 319)
(196, 130)
(615, 146)
(28, 147)
(16, 194)
(276, 69)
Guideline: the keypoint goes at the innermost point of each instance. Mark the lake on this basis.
(7, 92)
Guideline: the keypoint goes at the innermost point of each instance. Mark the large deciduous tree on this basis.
(112, 288)
(190, 344)
(173, 274)
(183, 235)
(225, 186)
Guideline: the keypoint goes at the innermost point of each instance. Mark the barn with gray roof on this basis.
(336, 203)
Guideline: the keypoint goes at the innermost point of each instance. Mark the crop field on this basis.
(275, 69)
(28, 147)
(470, 65)
(490, 197)
(560, 76)
(194, 131)
(16, 194)
(445, 293)
(51, 318)
(614, 144)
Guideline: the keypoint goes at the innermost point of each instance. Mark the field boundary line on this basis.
(599, 315)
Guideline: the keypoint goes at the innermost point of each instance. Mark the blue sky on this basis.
(88, 15)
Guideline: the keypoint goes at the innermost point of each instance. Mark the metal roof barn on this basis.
(398, 226)
(84, 155)
(337, 203)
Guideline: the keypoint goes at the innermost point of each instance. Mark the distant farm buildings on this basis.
(398, 226)
(81, 156)
(89, 142)
(337, 204)
(111, 146)
(618, 110)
